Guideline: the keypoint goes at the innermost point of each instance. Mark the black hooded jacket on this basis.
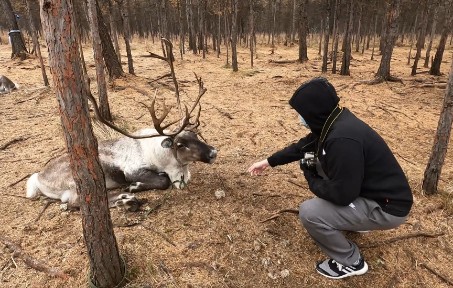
(356, 160)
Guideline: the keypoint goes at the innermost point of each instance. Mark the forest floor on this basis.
(189, 238)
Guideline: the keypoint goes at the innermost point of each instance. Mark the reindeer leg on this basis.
(146, 179)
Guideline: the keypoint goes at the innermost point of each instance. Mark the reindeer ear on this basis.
(167, 142)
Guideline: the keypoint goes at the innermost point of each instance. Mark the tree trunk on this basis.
(321, 36)
(201, 34)
(346, 61)
(252, 30)
(431, 35)
(326, 40)
(436, 160)
(336, 36)
(293, 22)
(358, 36)
(391, 22)
(219, 35)
(181, 30)
(191, 25)
(234, 35)
(412, 38)
(435, 67)
(36, 44)
(420, 39)
(303, 55)
(274, 16)
(106, 266)
(108, 51)
(97, 51)
(126, 35)
(17, 42)
(227, 37)
(374, 37)
(114, 31)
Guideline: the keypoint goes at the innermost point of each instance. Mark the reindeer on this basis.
(6, 85)
(148, 159)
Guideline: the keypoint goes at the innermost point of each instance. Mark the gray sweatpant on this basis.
(325, 222)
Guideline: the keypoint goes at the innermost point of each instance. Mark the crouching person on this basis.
(358, 182)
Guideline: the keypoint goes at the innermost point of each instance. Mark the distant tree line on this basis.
(210, 26)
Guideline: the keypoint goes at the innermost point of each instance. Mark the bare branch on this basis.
(11, 142)
(31, 262)
(403, 237)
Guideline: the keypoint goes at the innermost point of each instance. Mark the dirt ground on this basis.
(192, 239)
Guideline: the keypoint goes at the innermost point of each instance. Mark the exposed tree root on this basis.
(31, 262)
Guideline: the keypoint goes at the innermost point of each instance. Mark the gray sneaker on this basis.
(334, 270)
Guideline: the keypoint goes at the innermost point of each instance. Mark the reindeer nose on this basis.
(212, 154)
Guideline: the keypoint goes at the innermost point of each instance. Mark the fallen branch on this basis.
(443, 278)
(31, 262)
(278, 213)
(18, 181)
(45, 89)
(48, 202)
(11, 142)
(298, 185)
(403, 237)
(433, 85)
(158, 233)
(415, 164)
(283, 61)
(158, 78)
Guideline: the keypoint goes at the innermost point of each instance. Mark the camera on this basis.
(309, 161)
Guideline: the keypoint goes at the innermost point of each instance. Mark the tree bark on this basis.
(36, 44)
(17, 42)
(431, 35)
(126, 35)
(191, 25)
(108, 51)
(439, 151)
(336, 37)
(391, 22)
(97, 51)
(252, 30)
(106, 266)
(346, 61)
(114, 31)
(326, 39)
(293, 22)
(234, 36)
(358, 36)
(303, 55)
(435, 67)
(374, 37)
(420, 39)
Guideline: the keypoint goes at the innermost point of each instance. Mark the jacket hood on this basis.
(314, 100)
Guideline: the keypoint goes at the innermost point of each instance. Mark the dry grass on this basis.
(221, 243)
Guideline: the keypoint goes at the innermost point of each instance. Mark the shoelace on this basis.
(339, 266)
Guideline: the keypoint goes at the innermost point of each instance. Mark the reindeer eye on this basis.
(180, 145)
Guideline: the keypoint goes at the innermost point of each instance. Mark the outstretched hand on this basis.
(258, 167)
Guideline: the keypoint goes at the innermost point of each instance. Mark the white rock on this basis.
(219, 194)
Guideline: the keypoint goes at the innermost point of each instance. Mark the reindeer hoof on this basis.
(134, 187)
(128, 202)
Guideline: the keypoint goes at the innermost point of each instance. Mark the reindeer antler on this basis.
(185, 122)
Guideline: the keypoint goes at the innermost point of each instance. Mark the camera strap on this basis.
(325, 129)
